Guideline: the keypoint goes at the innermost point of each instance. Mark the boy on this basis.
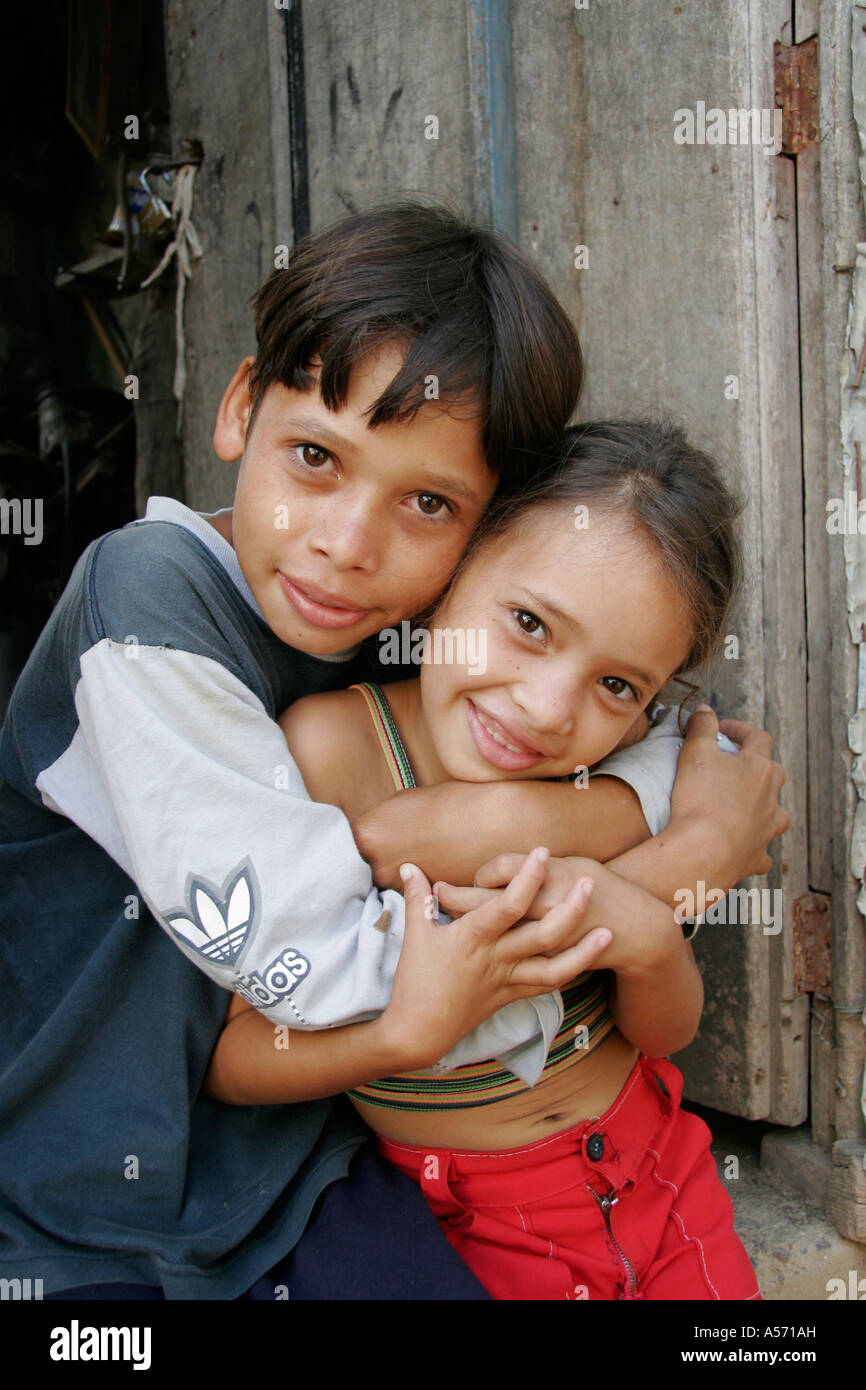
(406, 364)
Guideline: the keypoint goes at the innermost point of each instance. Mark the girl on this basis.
(593, 593)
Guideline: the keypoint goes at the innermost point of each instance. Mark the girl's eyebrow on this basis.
(542, 601)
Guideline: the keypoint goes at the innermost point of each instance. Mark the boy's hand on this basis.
(726, 807)
(451, 978)
(732, 801)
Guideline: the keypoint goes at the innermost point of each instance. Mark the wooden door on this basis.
(700, 275)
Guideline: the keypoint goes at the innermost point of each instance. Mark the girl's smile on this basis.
(583, 628)
(500, 745)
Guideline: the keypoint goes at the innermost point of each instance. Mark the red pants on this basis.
(628, 1205)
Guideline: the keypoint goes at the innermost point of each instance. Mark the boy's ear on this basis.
(233, 415)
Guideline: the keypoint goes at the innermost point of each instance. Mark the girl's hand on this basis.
(450, 978)
(657, 992)
(644, 932)
(561, 877)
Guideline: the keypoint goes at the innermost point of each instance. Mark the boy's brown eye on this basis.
(430, 504)
(312, 454)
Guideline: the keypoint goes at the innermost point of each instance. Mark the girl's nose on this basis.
(549, 702)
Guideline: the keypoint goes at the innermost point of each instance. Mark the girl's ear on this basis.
(233, 415)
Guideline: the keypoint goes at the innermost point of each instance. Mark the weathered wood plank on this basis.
(846, 1205)
(691, 282)
(812, 270)
(783, 583)
(842, 201)
(220, 92)
(552, 137)
(822, 1073)
(376, 70)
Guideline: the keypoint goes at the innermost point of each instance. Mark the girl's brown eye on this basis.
(528, 623)
(622, 687)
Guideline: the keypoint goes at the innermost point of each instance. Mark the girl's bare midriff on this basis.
(586, 1090)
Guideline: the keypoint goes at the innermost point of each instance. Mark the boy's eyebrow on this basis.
(544, 602)
(308, 424)
(460, 489)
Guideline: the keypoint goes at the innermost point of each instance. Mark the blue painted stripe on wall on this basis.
(492, 76)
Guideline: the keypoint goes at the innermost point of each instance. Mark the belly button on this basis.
(551, 1119)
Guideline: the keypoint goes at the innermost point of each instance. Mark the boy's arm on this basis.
(170, 761)
(453, 828)
(439, 992)
(724, 809)
(719, 842)
(256, 1062)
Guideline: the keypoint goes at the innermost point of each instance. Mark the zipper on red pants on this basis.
(606, 1201)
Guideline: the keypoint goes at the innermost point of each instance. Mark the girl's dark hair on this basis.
(466, 302)
(647, 473)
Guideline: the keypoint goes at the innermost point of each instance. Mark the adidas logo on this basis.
(217, 924)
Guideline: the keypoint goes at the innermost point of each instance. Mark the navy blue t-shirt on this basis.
(114, 1166)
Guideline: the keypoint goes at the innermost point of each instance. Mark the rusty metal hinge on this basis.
(812, 932)
(795, 78)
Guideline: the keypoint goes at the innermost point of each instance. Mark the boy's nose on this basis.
(347, 535)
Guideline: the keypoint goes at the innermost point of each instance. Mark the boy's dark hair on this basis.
(648, 474)
(465, 301)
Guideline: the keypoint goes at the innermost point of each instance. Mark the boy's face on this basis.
(341, 530)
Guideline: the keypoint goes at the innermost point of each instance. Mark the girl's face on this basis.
(582, 628)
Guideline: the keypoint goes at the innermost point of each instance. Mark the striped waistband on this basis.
(586, 1023)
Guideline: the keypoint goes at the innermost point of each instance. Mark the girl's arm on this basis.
(657, 994)
(448, 980)
(659, 1008)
